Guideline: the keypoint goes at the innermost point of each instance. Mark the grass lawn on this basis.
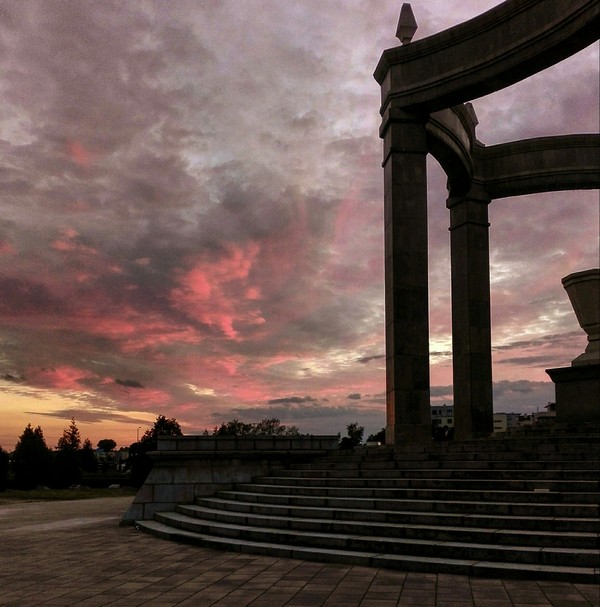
(12, 496)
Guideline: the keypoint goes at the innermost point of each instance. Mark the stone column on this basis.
(406, 278)
(471, 325)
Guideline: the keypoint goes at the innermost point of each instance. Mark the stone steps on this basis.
(434, 464)
(422, 505)
(571, 557)
(469, 567)
(414, 482)
(408, 517)
(491, 494)
(440, 473)
(493, 511)
(434, 532)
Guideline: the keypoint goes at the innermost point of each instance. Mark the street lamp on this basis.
(137, 434)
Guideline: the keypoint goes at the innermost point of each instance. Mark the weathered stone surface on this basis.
(184, 467)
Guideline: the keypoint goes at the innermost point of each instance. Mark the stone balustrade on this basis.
(187, 467)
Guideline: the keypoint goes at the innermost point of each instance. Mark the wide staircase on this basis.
(522, 506)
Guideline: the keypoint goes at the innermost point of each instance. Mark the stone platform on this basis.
(74, 553)
(521, 507)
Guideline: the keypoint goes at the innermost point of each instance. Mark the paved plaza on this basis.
(75, 553)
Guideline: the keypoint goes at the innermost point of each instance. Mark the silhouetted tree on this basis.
(233, 427)
(269, 427)
(4, 459)
(377, 438)
(163, 426)
(70, 439)
(106, 444)
(139, 462)
(87, 457)
(32, 459)
(273, 427)
(354, 438)
(66, 470)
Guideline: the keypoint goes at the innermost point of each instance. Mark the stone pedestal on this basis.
(577, 393)
(578, 386)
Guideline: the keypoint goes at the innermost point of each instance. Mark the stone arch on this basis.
(425, 89)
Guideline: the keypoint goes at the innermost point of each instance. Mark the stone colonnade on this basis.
(425, 88)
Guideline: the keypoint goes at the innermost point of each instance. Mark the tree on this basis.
(354, 438)
(377, 438)
(106, 444)
(71, 439)
(66, 459)
(273, 427)
(233, 427)
(87, 457)
(266, 427)
(32, 459)
(4, 459)
(139, 462)
(163, 426)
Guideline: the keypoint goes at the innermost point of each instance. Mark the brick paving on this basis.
(74, 553)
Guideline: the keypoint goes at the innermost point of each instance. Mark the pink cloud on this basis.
(78, 153)
(68, 243)
(218, 292)
(64, 377)
(6, 248)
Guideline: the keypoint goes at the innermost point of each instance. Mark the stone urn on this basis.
(583, 289)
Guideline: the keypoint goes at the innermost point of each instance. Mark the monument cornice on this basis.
(541, 164)
(508, 43)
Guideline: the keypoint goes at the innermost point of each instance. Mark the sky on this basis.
(192, 217)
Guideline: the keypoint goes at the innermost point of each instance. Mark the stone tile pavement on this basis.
(74, 553)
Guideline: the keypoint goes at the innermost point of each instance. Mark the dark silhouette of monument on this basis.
(426, 87)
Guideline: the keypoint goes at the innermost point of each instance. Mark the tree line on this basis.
(34, 464)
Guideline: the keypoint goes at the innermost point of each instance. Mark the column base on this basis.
(402, 434)
(577, 392)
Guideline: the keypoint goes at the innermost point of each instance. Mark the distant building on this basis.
(504, 421)
(442, 415)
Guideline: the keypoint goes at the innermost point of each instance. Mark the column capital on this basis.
(403, 133)
(476, 194)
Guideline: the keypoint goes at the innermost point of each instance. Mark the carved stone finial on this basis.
(407, 24)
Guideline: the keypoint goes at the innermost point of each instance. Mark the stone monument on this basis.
(426, 87)
(578, 386)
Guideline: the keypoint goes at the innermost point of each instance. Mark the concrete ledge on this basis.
(186, 467)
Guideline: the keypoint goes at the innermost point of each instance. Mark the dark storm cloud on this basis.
(441, 391)
(367, 359)
(128, 383)
(23, 298)
(90, 416)
(354, 396)
(293, 400)
(12, 378)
